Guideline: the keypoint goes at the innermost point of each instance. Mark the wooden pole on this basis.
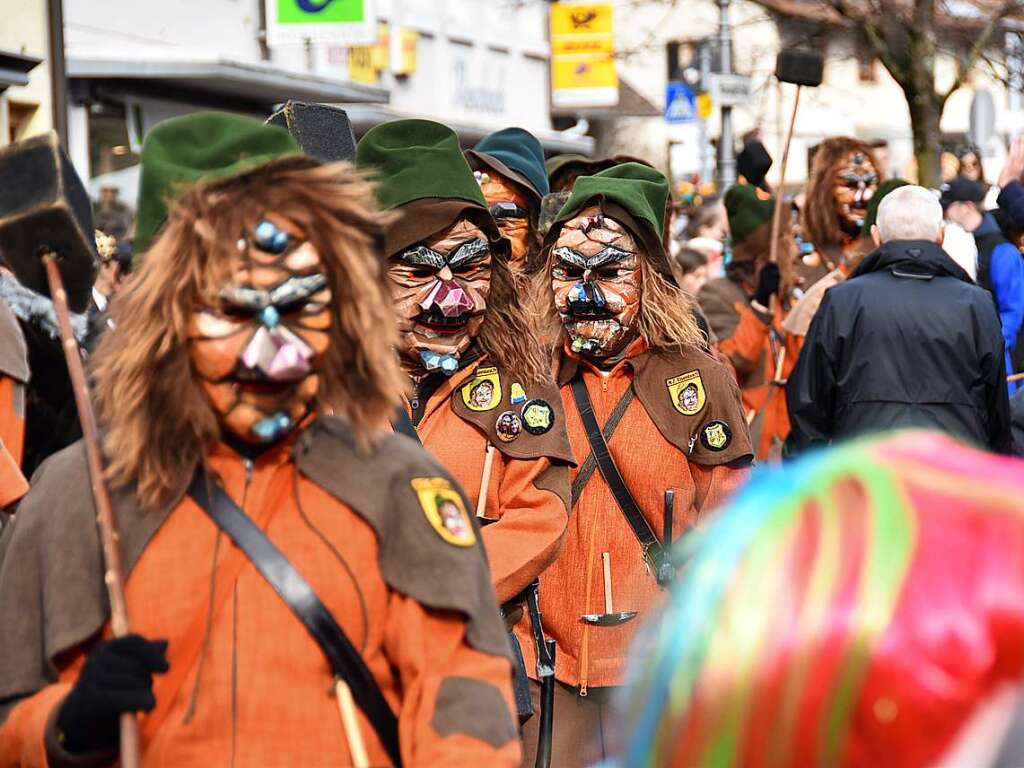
(485, 481)
(114, 575)
(777, 213)
(1015, 377)
(606, 563)
(350, 722)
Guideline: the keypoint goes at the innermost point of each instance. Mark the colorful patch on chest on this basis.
(687, 393)
(442, 505)
(483, 392)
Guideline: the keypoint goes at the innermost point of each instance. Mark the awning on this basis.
(230, 84)
(554, 142)
(14, 69)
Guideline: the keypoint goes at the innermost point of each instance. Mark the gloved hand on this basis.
(767, 284)
(117, 677)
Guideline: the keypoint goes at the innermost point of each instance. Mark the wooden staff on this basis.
(114, 575)
(1015, 377)
(606, 564)
(350, 722)
(485, 482)
(777, 212)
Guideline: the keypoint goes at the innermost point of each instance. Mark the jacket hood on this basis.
(921, 257)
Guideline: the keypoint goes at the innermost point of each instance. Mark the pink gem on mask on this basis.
(453, 300)
(278, 354)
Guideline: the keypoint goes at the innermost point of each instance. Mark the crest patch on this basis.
(687, 393)
(444, 510)
(483, 392)
(716, 435)
(538, 418)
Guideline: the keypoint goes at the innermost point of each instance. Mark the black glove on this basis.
(767, 284)
(117, 677)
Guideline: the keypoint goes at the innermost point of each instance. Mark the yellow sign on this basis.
(687, 393)
(442, 505)
(366, 62)
(582, 55)
(404, 59)
(704, 106)
(483, 393)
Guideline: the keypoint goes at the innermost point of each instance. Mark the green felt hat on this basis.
(416, 159)
(204, 146)
(515, 153)
(746, 211)
(634, 193)
(871, 214)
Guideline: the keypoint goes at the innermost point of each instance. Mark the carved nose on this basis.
(279, 354)
(445, 273)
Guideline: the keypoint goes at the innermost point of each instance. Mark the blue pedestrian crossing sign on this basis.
(680, 103)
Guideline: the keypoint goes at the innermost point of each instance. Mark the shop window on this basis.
(110, 146)
(18, 117)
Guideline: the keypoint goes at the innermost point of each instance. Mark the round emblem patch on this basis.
(538, 418)
(508, 426)
(716, 435)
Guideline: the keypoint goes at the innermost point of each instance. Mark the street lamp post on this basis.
(726, 145)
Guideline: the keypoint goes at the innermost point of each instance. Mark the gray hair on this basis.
(909, 213)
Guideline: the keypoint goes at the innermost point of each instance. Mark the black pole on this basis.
(58, 71)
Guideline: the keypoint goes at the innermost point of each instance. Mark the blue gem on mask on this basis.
(271, 428)
(270, 238)
(433, 361)
(270, 317)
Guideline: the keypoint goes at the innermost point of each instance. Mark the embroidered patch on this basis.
(716, 435)
(687, 393)
(538, 418)
(483, 392)
(508, 426)
(517, 395)
(444, 510)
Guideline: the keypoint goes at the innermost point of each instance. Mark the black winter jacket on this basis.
(907, 340)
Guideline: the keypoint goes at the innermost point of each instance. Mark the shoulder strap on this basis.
(587, 470)
(654, 553)
(346, 662)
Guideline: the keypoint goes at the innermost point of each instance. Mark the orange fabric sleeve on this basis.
(746, 346)
(714, 486)
(457, 702)
(23, 733)
(12, 427)
(530, 529)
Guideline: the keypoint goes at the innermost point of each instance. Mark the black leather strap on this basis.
(590, 464)
(345, 660)
(654, 553)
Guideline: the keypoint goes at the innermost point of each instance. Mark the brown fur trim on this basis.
(157, 421)
(819, 221)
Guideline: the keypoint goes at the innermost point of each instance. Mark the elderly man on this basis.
(907, 340)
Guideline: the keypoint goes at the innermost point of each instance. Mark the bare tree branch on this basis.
(981, 42)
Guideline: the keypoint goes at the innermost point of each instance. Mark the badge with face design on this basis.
(511, 211)
(596, 284)
(508, 426)
(258, 346)
(483, 392)
(440, 290)
(687, 393)
(442, 506)
(856, 182)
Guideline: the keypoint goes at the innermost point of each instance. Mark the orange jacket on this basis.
(247, 685)
(656, 448)
(527, 489)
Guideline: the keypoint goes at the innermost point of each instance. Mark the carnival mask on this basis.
(511, 211)
(596, 282)
(440, 290)
(257, 350)
(856, 182)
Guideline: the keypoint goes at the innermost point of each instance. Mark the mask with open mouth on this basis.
(856, 182)
(440, 288)
(596, 282)
(258, 348)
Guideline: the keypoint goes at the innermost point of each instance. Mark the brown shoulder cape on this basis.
(716, 433)
(52, 596)
(13, 351)
(718, 299)
(553, 444)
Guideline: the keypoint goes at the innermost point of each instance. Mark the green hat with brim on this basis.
(515, 154)
(746, 211)
(205, 146)
(633, 194)
(871, 214)
(419, 169)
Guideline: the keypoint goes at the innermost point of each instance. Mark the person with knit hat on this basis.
(644, 404)
(305, 587)
(746, 308)
(509, 166)
(482, 399)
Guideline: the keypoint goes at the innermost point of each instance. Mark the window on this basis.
(866, 63)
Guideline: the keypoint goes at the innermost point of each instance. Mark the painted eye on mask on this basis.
(270, 238)
(507, 211)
